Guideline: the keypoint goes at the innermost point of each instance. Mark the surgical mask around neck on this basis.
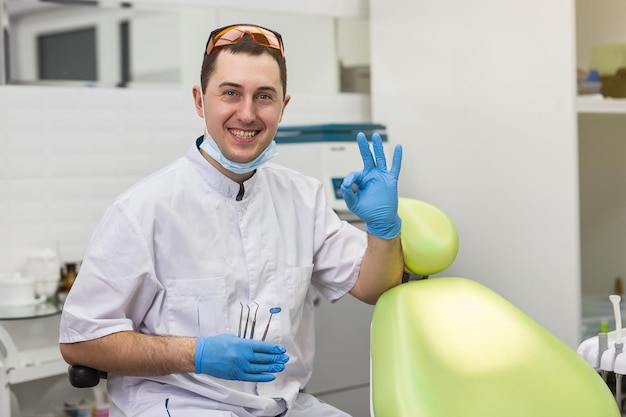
(209, 146)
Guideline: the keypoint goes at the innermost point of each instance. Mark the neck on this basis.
(238, 178)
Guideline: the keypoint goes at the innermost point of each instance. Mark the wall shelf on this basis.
(596, 103)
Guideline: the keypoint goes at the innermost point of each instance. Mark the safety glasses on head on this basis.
(230, 35)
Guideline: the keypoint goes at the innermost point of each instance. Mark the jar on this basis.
(17, 290)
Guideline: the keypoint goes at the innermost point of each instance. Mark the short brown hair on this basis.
(246, 45)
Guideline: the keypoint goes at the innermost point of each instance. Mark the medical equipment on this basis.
(245, 331)
(326, 152)
(208, 351)
(605, 352)
(254, 322)
(444, 347)
(210, 147)
(615, 300)
(273, 311)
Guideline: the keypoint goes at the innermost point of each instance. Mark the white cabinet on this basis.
(341, 372)
(28, 350)
(342, 358)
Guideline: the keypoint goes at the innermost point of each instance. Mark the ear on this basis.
(197, 100)
(287, 99)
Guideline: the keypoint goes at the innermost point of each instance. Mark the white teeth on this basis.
(244, 134)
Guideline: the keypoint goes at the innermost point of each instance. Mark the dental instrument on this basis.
(240, 317)
(252, 326)
(273, 310)
(254, 322)
(245, 329)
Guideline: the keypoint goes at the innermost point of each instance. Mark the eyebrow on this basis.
(235, 85)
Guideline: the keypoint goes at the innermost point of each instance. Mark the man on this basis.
(195, 291)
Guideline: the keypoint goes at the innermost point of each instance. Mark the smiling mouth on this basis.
(244, 134)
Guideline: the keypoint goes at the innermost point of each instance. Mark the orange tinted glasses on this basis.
(230, 35)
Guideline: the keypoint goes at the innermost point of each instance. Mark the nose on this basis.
(246, 111)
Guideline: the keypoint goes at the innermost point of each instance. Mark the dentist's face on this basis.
(243, 104)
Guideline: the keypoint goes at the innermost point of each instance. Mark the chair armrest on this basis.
(84, 377)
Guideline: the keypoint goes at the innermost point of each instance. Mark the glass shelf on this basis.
(45, 308)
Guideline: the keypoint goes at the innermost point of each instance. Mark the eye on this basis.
(265, 97)
(230, 95)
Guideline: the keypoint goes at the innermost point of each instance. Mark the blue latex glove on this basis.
(230, 357)
(372, 194)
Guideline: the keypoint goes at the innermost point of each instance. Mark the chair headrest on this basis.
(429, 239)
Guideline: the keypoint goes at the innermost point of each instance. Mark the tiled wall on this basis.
(66, 152)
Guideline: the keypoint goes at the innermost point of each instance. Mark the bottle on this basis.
(617, 288)
(70, 276)
(591, 84)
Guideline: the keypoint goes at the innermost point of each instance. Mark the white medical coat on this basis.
(176, 254)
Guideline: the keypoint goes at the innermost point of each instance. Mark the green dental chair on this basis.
(451, 347)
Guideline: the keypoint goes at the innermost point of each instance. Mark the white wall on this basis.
(350, 52)
(156, 48)
(66, 152)
(481, 95)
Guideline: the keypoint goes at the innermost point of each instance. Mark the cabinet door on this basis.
(342, 367)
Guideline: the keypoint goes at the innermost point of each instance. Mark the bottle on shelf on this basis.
(69, 276)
